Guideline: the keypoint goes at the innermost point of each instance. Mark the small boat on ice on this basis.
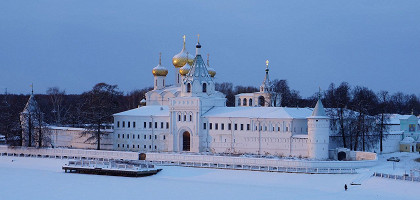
(111, 168)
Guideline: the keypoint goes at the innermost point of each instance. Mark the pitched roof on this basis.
(157, 111)
(259, 112)
(319, 110)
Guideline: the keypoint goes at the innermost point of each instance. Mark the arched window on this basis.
(244, 101)
(188, 87)
(204, 87)
(250, 102)
(239, 102)
(190, 117)
(261, 101)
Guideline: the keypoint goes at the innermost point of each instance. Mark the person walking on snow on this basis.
(345, 187)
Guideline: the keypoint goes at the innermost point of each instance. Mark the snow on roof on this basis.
(146, 111)
(300, 136)
(73, 128)
(245, 94)
(395, 118)
(407, 140)
(259, 112)
(319, 109)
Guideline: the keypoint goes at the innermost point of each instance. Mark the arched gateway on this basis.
(186, 141)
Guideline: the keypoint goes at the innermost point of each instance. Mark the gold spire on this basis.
(160, 58)
(184, 41)
(180, 59)
(266, 63)
(198, 35)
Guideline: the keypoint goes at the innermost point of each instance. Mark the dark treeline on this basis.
(97, 105)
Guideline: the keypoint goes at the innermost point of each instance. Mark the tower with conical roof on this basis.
(318, 132)
(29, 119)
(266, 84)
(197, 81)
(159, 73)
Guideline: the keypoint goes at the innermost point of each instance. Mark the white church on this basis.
(191, 116)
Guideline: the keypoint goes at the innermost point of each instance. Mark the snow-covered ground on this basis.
(42, 178)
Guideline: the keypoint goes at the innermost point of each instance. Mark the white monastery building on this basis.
(191, 116)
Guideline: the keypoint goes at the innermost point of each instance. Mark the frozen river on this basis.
(42, 178)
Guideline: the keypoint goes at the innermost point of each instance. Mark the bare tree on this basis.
(99, 105)
(56, 98)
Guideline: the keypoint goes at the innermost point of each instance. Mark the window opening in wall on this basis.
(188, 87)
(122, 135)
(204, 87)
(123, 145)
(223, 126)
(210, 126)
(185, 118)
(150, 124)
(164, 137)
(216, 126)
(242, 127)
(204, 126)
(145, 136)
(123, 124)
(236, 127)
(239, 102)
(134, 146)
(161, 125)
(144, 146)
(128, 146)
(144, 124)
(248, 127)
(118, 135)
(138, 146)
(190, 117)
(118, 124)
(128, 136)
(155, 137)
(134, 124)
(155, 146)
(179, 117)
(150, 146)
(250, 102)
(229, 126)
(155, 124)
(150, 137)
(134, 137)
(128, 124)
(118, 145)
(261, 101)
(167, 125)
(244, 102)
(138, 136)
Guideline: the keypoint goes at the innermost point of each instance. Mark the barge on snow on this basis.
(111, 168)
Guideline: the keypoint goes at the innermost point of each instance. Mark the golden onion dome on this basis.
(185, 69)
(180, 59)
(190, 60)
(160, 70)
(211, 71)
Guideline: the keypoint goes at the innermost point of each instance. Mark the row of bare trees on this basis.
(358, 114)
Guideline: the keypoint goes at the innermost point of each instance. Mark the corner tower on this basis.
(318, 133)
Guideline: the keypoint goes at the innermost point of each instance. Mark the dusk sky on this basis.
(76, 44)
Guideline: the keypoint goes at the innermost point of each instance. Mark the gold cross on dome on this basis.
(266, 63)
(198, 35)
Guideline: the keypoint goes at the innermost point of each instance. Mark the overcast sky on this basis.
(76, 44)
